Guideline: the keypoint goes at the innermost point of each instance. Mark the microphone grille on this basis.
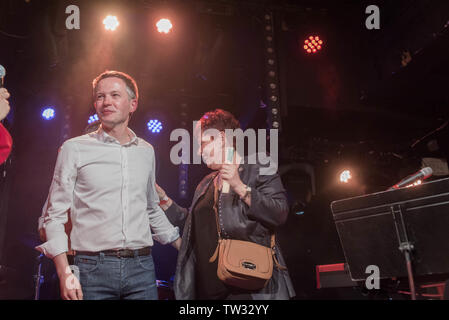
(2, 71)
(427, 171)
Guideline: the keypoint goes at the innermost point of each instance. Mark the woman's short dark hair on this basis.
(131, 86)
(219, 119)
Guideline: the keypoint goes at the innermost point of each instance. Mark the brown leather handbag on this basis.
(243, 264)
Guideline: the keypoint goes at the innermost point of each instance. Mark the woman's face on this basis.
(212, 149)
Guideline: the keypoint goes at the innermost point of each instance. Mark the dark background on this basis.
(352, 105)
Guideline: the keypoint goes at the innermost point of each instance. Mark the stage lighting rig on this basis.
(313, 44)
(164, 26)
(155, 126)
(111, 23)
(48, 113)
(345, 176)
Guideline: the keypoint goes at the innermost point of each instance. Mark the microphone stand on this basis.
(38, 278)
(405, 246)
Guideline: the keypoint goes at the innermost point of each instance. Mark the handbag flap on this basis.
(247, 258)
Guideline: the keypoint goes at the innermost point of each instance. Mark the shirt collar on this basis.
(103, 136)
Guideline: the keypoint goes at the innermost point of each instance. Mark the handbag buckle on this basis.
(248, 265)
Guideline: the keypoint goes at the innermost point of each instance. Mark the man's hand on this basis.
(4, 104)
(69, 284)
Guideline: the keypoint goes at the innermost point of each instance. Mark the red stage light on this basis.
(313, 44)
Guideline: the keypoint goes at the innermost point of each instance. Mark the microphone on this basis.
(422, 174)
(229, 158)
(2, 75)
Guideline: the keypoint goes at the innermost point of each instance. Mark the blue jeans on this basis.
(112, 278)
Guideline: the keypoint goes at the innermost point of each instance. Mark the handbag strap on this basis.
(273, 252)
(215, 206)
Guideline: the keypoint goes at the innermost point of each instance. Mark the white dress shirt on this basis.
(109, 189)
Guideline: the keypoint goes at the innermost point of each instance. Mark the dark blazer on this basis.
(269, 209)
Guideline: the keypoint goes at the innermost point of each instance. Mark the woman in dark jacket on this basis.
(252, 209)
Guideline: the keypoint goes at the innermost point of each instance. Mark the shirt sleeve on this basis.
(40, 221)
(59, 201)
(163, 231)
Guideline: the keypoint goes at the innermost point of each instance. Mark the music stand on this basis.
(387, 227)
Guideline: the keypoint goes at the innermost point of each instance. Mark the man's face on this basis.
(112, 102)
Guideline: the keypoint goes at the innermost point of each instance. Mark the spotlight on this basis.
(93, 118)
(155, 126)
(313, 44)
(164, 26)
(111, 23)
(48, 113)
(345, 176)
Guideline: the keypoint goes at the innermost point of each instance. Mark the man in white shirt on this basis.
(106, 179)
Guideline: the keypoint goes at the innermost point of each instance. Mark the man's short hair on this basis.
(131, 86)
(219, 119)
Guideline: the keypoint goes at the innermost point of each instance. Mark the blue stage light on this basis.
(48, 113)
(93, 118)
(155, 126)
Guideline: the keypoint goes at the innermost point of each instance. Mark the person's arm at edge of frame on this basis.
(174, 212)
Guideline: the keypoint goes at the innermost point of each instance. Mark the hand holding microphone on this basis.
(4, 104)
(231, 178)
(4, 95)
(227, 170)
